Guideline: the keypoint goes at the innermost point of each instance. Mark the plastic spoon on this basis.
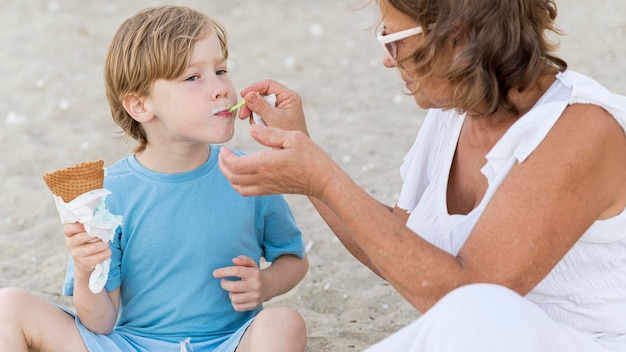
(236, 106)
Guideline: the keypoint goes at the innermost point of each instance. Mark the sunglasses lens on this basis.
(391, 50)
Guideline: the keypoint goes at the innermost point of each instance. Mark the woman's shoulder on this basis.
(591, 99)
(585, 89)
(574, 79)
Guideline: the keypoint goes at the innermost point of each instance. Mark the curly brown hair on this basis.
(505, 46)
(156, 43)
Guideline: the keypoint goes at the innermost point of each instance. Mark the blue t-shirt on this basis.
(177, 229)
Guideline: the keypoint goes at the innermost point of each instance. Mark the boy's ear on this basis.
(136, 107)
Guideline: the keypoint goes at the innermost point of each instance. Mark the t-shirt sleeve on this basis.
(281, 234)
(68, 283)
(115, 273)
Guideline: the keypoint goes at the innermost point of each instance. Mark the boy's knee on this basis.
(281, 316)
(12, 299)
(284, 322)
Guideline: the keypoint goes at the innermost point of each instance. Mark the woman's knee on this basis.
(487, 304)
(479, 297)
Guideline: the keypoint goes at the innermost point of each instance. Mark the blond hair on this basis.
(156, 43)
(504, 46)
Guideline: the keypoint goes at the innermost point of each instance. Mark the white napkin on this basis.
(90, 210)
(257, 119)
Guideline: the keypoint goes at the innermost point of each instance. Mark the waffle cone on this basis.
(73, 181)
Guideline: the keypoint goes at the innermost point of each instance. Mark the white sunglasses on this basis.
(388, 41)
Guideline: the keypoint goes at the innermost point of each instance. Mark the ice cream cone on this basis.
(75, 180)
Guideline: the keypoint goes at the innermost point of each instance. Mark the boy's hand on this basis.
(245, 294)
(86, 250)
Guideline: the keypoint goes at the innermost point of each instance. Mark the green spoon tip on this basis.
(236, 106)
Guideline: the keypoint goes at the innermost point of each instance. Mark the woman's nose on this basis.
(389, 62)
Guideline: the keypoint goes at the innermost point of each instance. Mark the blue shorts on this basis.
(118, 341)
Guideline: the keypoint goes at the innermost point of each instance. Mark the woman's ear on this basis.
(137, 108)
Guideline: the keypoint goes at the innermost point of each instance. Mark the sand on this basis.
(53, 114)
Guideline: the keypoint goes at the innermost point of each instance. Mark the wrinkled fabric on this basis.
(587, 289)
(90, 210)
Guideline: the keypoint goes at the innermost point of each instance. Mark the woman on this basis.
(510, 229)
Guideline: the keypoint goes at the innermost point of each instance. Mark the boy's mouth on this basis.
(229, 109)
(220, 109)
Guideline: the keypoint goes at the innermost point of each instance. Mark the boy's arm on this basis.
(283, 274)
(256, 286)
(97, 312)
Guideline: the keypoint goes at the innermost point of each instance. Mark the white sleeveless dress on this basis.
(587, 289)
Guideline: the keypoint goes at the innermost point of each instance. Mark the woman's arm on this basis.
(339, 228)
(573, 178)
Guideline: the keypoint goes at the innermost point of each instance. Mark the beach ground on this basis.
(53, 114)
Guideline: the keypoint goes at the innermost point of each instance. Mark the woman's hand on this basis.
(86, 250)
(294, 165)
(288, 113)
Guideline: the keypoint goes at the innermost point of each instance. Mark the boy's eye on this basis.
(221, 72)
(192, 78)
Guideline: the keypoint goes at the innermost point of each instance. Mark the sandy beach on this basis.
(53, 113)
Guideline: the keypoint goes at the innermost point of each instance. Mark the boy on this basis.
(184, 264)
